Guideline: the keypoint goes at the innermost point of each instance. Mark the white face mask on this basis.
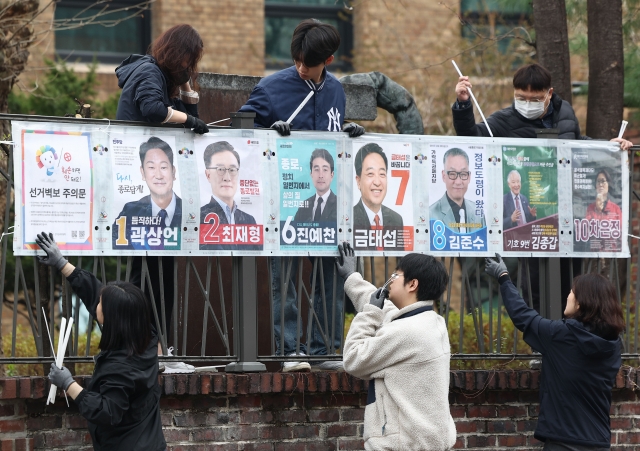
(531, 109)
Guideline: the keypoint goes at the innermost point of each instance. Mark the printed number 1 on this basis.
(404, 176)
(122, 231)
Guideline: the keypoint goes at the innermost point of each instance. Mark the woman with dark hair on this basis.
(122, 401)
(156, 88)
(581, 358)
(603, 207)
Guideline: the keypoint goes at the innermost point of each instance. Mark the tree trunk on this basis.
(552, 46)
(606, 68)
(16, 36)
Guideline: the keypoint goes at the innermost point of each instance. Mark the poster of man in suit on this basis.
(530, 199)
(308, 182)
(231, 190)
(457, 197)
(383, 200)
(147, 193)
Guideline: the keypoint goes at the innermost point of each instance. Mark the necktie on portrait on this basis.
(376, 221)
(463, 220)
(318, 212)
(162, 214)
(521, 220)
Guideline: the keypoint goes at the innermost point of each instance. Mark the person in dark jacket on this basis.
(156, 88)
(151, 83)
(121, 403)
(535, 106)
(581, 356)
(274, 100)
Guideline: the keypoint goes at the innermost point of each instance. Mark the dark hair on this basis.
(321, 153)
(366, 150)
(599, 305)
(608, 177)
(126, 324)
(155, 143)
(430, 273)
(455, 152)
(217, 147)
(532, 77)
(172, 48)
(313, 42)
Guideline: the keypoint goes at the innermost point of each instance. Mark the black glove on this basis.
(198, 125)
(378, 297)
(282, 127)
(353, 129)
(346, 263)
(54, 256)
(495, 268)
(60, 377)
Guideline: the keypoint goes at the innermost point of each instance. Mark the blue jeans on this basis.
(330, 313)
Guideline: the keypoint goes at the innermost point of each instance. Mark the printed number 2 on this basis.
(404, 176)
(122, 231)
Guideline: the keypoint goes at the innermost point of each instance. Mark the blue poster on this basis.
(308, 182)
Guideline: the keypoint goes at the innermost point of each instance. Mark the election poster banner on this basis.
(530, 199)
(231, 193)
(382, 195)
(308, 181)
(146, 199)
(57, 188)
(597, 200)
(457, 197)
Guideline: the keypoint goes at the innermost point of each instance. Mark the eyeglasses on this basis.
(221, 170)
(393, 277)
(601, 181)
(454, 175)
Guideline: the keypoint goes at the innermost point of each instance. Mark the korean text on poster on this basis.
(530, 199)
(308, 182)
(458, 196)
(597, 197)
(231, 193)
(57, 188)
(146, 200)
(382, 196)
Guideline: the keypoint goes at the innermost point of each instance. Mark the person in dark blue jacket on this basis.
(156, 88)
(274, 100)
(581, 358)
(121, 402)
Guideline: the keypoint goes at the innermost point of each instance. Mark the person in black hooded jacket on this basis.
(122, 401)
(581, 359)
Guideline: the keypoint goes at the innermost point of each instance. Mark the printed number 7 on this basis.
(404, 176)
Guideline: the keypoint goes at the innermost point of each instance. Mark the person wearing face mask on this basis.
(156, 87)
(535, 106)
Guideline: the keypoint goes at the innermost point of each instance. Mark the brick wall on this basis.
(300, 412)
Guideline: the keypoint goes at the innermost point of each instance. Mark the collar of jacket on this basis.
(407, 311)
(312, 85)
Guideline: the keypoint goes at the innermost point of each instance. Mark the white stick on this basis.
(52, 350)
(53, 389)
(633, 236)
(216, 122)
(474, 100)
(623, 127)
(301, 106)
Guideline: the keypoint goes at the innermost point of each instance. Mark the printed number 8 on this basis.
(439, 240)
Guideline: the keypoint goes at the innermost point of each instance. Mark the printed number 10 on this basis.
(122, 231)
(404, 181)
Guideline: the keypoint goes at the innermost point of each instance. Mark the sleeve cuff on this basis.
(503, 278)
(461, 105)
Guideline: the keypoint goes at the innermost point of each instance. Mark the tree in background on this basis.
(606, 68)
(552, 43)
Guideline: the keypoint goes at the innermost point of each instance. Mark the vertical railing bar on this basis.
(336, 280)
(174, 313)
(599, 265)
(118, 267)
(499, 326)
(76, 315)
(223, 308)
(163, 312)
(473, 307)
(186, 304)
(449, 286)
(312, 311)
(386, 268)
(16, 288)
(36, 290)
(527, 280)
(462, 309)
(479, 297)
(285, 272)
(518, 285)
(145, 280)
(205, 319)
(299, 318)
(323, 298)
(373, 270)
(127, 272)
(490, 315)
(5, 242)
(271, 316)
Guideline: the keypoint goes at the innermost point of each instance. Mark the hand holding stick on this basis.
(484, 119)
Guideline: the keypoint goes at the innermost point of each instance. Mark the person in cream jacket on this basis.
(401, 346)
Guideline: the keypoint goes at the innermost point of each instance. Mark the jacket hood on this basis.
(129, 65)
(591, 344)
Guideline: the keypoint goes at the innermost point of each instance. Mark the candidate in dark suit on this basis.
(323, 205)
(389, 217)
(222, 164)
(516, 210)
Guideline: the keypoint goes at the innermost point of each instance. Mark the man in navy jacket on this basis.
(274, 100)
